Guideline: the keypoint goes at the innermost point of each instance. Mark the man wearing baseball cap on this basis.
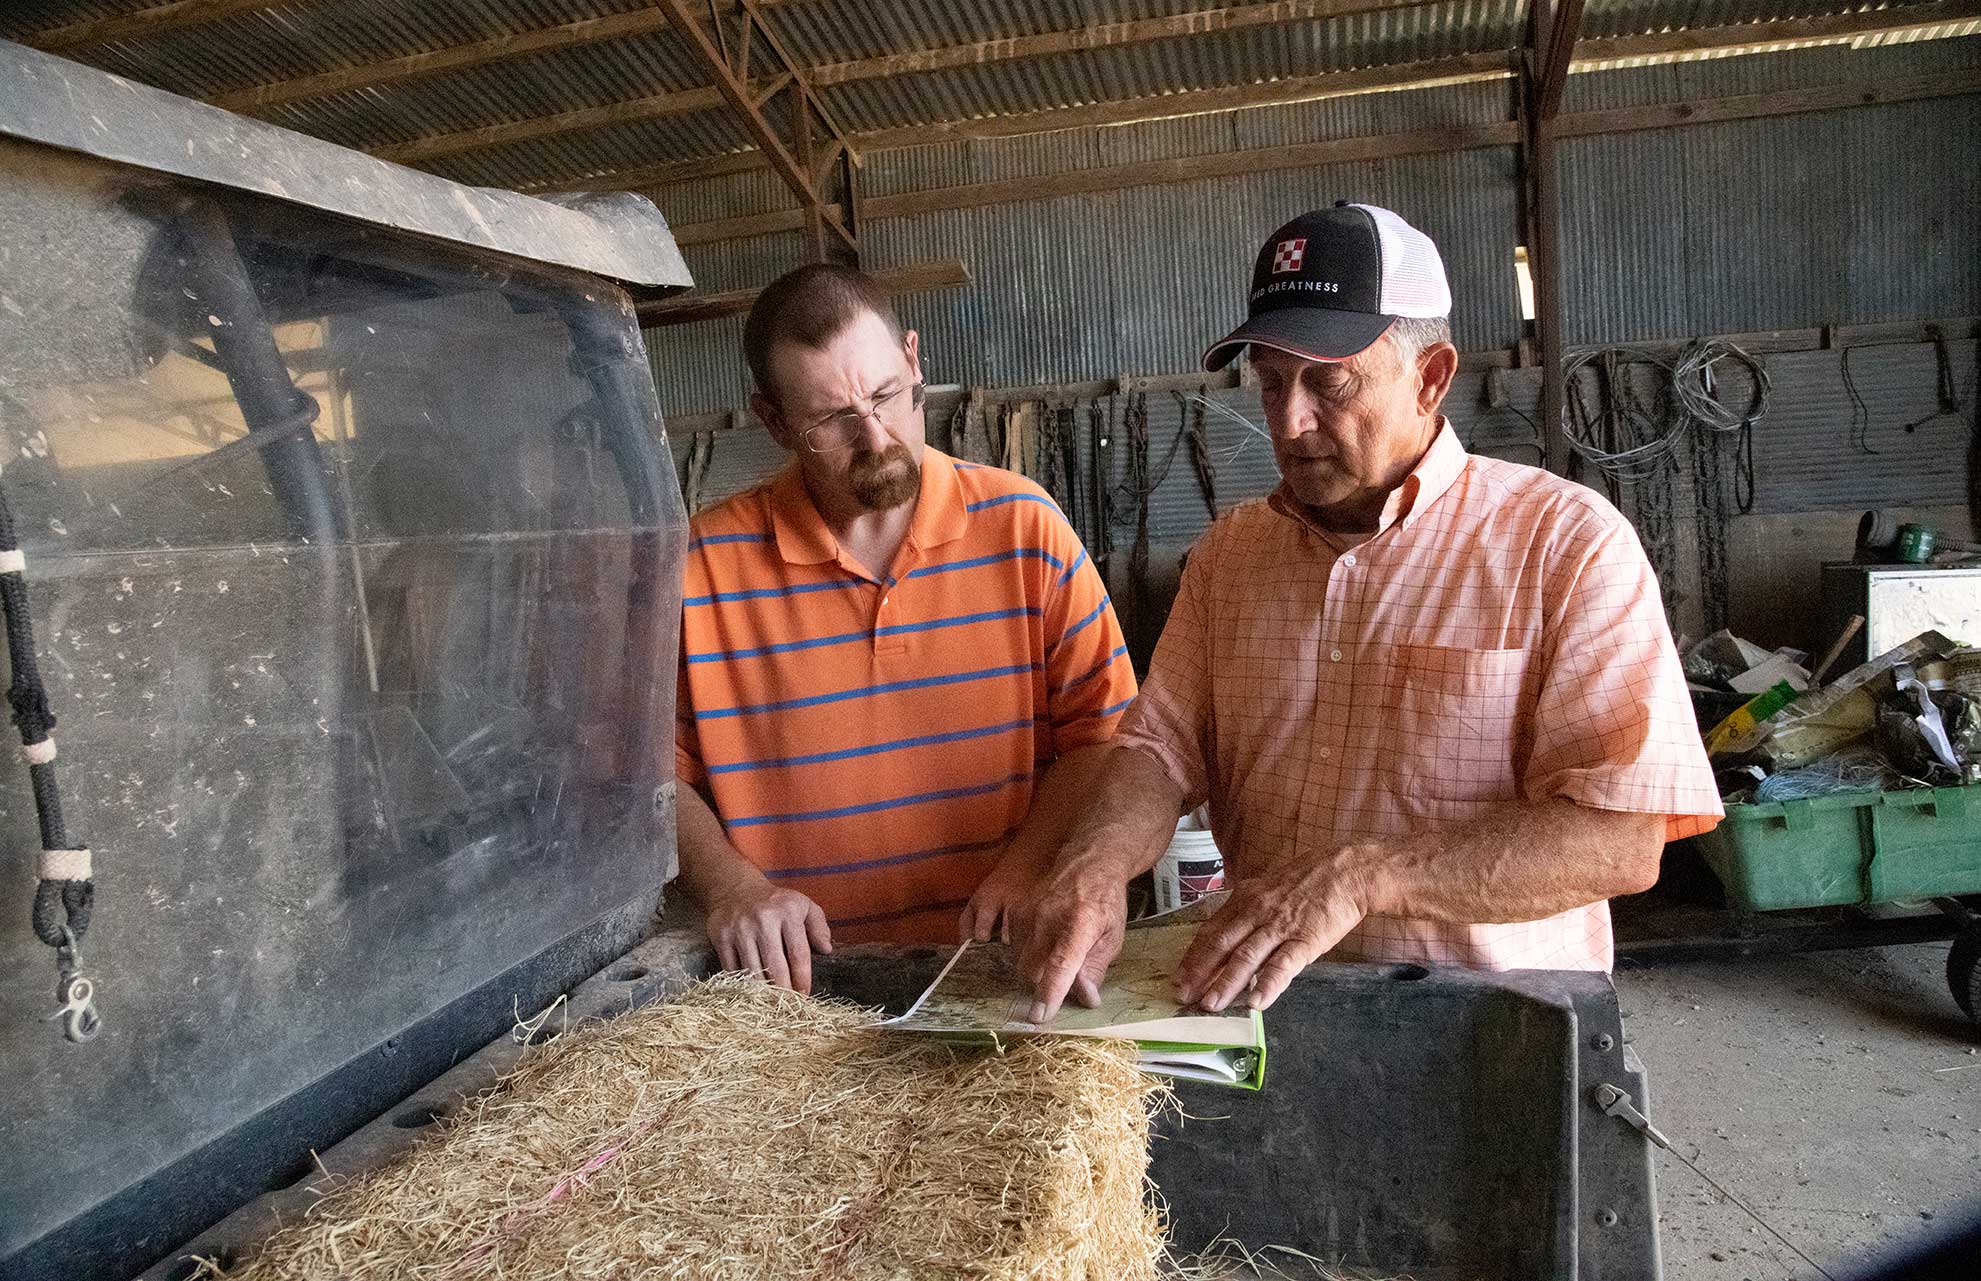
(1430, 697)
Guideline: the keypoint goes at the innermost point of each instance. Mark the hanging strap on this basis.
(66, 892)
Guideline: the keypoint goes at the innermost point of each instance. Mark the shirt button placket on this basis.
(884, 614)
(1335, 686)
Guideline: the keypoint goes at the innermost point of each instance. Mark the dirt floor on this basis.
(1838, 1094)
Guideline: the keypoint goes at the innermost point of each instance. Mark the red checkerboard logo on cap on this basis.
(1287, 257)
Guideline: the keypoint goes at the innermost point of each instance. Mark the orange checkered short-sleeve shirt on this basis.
(1500, 638)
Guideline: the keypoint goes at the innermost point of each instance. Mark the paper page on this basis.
(1191, 1065)
(981, 991)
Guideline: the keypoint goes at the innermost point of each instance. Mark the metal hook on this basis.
(80, 1021)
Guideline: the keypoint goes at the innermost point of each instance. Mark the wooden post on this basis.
(1543, 75)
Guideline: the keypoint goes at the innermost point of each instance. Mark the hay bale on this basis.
(746, 1132)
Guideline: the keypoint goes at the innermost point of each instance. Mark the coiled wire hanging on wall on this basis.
(1627, 440)
(1635, 441)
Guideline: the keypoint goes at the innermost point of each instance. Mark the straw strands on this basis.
(746, 1132)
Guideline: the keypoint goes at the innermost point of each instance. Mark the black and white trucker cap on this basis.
(1330, 283)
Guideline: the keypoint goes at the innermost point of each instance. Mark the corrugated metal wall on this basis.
(1815, 451)
(1840, 217)
(1844, 217)
(1136, 281)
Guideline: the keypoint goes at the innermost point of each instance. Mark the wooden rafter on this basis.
(434, 146)
(177, 15)
(1296, 89)
(801, 74)
(1758, 106)
(414, 66)
(794, 169)
(801, 147)
(1336, 151)
(1553, 57)
(1293, 89)
(896, 280)
(1108, 35)
(255, 99)
(645, 177)
(647, 21)
(1743, 36)
(769, 89)
(1456, 70)
(1225, 164)
(155, 20)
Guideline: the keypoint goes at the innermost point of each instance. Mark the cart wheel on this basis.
(1964, 972)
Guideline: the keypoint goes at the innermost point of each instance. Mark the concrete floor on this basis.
(1838, 1094)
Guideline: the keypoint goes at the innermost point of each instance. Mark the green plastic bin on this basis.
(1861, 847)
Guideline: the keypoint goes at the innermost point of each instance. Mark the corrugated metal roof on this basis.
(289, 40)
(546, 84)
(574, 155)
(1602, 18)
(295, 40)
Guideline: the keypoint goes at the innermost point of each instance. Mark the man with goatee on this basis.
(898, 669)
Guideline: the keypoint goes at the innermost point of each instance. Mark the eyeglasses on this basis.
(838, 431)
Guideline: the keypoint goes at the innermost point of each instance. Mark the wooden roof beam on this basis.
(1553, 52)
(795, 170)
(1370, 147)
(1226, 164)
(1457, 70)
(1742, 36)
(1233, 17)
(896, 280)
(1750, 35)
(1238, 17)
(254, 99)
(433, 146)
(257, 99)
(1757, 106)
(157, 20)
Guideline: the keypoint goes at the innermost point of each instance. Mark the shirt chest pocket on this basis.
(1460, 720)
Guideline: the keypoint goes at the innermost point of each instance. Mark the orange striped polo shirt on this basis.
(871, 743)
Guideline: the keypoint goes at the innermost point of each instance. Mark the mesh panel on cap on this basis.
(1413, 274)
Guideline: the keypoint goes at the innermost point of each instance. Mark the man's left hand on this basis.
(1275, 924)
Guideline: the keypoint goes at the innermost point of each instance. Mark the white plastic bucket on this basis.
(1190, 868)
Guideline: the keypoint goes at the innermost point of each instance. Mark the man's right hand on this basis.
(1068, 934)
(759, 928)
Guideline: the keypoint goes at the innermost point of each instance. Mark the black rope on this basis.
(1135, 425)
(61, 907)
(1860, 413)
(1101, 439)
(1743, 475)
(1709, 488)
(1947, 399)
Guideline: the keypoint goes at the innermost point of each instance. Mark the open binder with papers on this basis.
(979, 996)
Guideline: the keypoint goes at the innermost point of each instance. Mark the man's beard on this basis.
(885, 480)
